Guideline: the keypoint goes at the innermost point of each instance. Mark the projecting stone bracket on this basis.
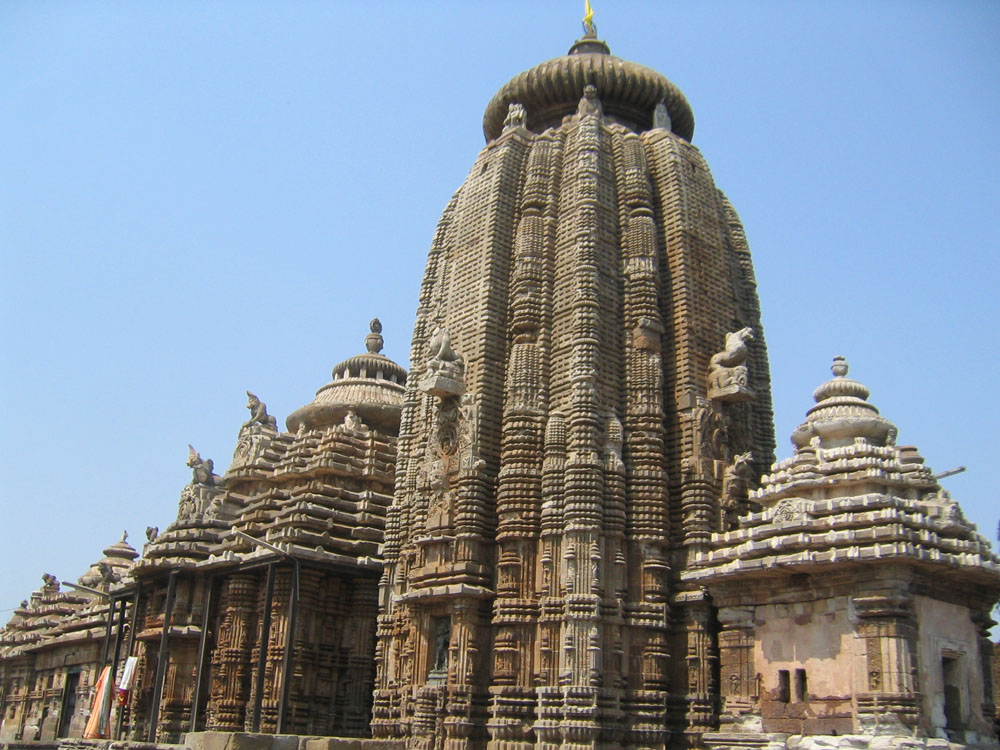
(734, 391)
(445, 373)
(441, 386)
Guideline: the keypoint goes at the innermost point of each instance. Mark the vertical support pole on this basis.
(63, 704)
(119, 634)
(265, 627)
(107, 630)
(161, 660)
(128, 647)
(202, 651)
(286, 661)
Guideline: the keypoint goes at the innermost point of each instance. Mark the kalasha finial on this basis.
(124, 536)
(374, 340)
(589, 29)
(839, 366)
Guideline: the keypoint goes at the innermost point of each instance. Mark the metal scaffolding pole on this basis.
(202, 651)
(161, 661)
(286, 661)
(265, 627)
(128, 648)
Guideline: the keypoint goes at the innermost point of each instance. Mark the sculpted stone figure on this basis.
(258, 413)
(516, 117)
(727, 374)
(152, 532)
(735, 352)
(352, 421)
(735, 481)
(203, 470)
(439, 351)
(108, 574)
(50, 581)
(590, 104)
(441, 638)
(445, 374)
(661, 117)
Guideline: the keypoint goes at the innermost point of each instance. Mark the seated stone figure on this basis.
(727, 374)
(258, 413)
(445, 374)
(202, 469)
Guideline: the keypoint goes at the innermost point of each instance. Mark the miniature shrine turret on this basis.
(853, 597)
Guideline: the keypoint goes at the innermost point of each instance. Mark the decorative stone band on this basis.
(864, 528)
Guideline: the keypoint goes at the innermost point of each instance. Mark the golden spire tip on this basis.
(588, 20)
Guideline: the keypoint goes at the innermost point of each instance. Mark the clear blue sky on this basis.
(197, 198)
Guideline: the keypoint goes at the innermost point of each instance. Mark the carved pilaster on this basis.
(702, 663)
(983, 623)
(698, 503)
(888, 701)
(231, 656)
(739, 686)
(519, 490)
(358, 673)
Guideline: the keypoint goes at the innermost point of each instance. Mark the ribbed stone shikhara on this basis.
(589, 399)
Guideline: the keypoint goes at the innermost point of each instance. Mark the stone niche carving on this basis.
(735, 487)
(711, 436)
(445, 373)
(452, 450)
(441, 634)
(199, 501)
(727, 374)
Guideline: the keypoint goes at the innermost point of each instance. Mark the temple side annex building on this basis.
(565, 526)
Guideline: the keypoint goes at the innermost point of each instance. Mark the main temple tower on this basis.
(589, 402)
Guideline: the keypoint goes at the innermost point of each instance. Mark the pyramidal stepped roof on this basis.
(54, 615)
(849, 494)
